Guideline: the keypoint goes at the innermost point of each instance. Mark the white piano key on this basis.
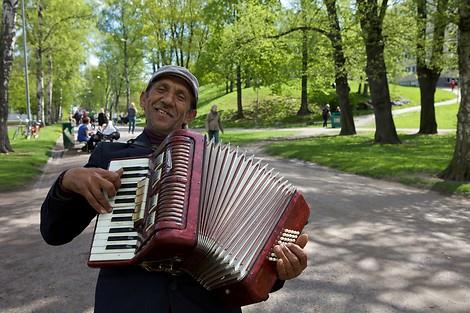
(102, 250)
(117, 164)
(110, 224)
(104, 242)
(109, 216)
(111, 257)
(101, 236)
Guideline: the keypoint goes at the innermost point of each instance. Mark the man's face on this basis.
(167, 105)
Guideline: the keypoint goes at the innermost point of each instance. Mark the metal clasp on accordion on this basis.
(171, 267)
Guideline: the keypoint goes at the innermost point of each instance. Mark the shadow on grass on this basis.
(451, 187)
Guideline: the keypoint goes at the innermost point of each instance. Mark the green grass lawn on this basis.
(265, 108)
(22, 167)
(246, 137)
(415, 162)
(412, 94)
(446, 118)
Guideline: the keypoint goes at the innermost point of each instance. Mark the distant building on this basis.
(411, 77)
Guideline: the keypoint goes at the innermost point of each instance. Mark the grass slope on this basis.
(22, 166)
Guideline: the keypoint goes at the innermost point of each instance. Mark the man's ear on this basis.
(190, 116)
(142, 99)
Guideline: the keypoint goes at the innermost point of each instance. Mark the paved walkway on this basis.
(375, 246)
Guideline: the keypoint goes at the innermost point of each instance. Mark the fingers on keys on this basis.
(92, 183)
(292, 259)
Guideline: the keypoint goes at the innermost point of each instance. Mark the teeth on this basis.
(163, 112)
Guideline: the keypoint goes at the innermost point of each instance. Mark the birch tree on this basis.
(6, 58)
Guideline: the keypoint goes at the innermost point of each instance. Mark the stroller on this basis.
(109, 133)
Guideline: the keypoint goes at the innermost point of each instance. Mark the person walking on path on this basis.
(214, 124)
(78, 195)
(453, 84)
(102, 118)
(325, 114)
(131, 116)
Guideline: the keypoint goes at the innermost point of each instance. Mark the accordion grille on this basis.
(171, 201)
(241, 202)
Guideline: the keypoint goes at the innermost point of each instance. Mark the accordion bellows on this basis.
(204, 208)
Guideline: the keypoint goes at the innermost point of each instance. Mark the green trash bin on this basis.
(335, 119)
(67, 135)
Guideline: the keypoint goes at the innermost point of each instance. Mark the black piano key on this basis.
(135, 168)
(125, 193)
(115, 247)
(123, 211)
(121, 238)
(126, 200)
(121, 219)
(132, 175)
(129, 185)
(116, 230)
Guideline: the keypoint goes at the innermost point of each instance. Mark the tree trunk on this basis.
(429, 72)
(459, 167)
(39, 69)
(365, 91)
(371, 19)
(359, 88)
(6, 52)
(49, 116)
(239, 93)
(341, 75)
(427, 89)
(304, 94)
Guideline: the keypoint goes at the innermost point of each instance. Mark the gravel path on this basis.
(375, 246)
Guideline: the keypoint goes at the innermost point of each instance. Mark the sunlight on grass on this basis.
(446, 118)
(22, 166)
(246, 137)
(416, 161)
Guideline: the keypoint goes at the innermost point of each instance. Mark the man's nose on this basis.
(168, 99)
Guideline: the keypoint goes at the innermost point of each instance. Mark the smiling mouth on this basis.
(163, 112)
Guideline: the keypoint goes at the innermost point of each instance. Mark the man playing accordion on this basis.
(77, 196)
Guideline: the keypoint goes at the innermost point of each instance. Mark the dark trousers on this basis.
(214, 134)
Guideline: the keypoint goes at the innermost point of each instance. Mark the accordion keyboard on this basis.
(115, 237)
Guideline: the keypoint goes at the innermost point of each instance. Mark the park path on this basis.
(375, 246)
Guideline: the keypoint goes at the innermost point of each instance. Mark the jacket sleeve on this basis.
(65, 216)
(278, 285)
(220, 123)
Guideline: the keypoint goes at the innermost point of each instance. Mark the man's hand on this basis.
(292, 258)
(91, 183)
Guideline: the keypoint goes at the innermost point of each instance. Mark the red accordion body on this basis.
(204, 209)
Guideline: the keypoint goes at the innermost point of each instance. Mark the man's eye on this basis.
(181, 97)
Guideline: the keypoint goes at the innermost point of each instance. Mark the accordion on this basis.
(203, 208)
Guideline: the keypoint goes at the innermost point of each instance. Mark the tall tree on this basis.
(53, 27)
(429, 68)
(371, 16)
(459, 167)
(10, 8)
(341, 74)
(121, 20)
